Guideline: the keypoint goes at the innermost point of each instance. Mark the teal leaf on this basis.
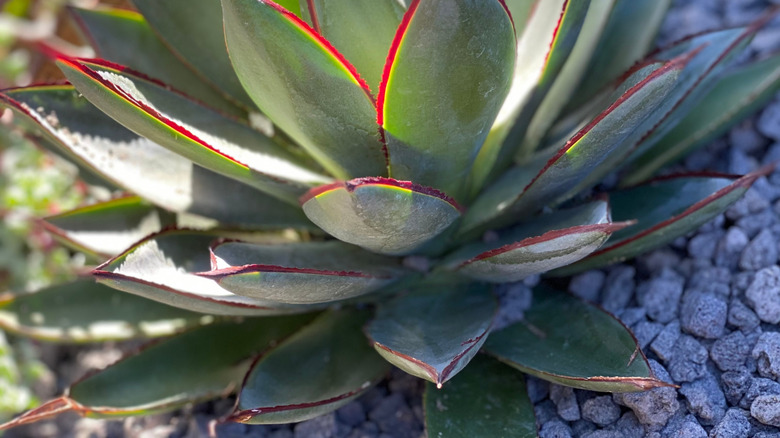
(119, 35)
(163, 268)
(665, 209)
(81, 132)
(569, 342)
(317, 370)
(362, 31)
(85, 311)
(381, 214)
(539, 245)
(300, 273)
(433, 334)
(176, 21)
(305, 87)
(107, 228)
(487, 399)
(204, 136)
(199, 365)
(443, 84)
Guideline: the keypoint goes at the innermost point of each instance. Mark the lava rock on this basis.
(565, 401)
(555, 429)
(688, 361)
(760, 253)
(769, 121)
(735, 384)
(741, 316)
(394, 416)
(730, 352)
(655, 407)
(351, 414)
(702, 246)
(767, 355)
(705, 399)
(661, 295)
(646, 331)
(618, 288)
(734, 424)
(766, 409)
(759, 386)
(703, 314)
(587, 285)
(663, 345)
(764, 294)
(600, 410)
(323, 426)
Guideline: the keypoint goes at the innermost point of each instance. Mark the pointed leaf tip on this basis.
(47, 410)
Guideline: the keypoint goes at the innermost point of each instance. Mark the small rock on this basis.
(582, 428)
(654, 407)
(749, 204)
(323, 426)
(745, 137)
(742, 280)
(753, 225)
(661, 295)
(705, 399)
(646, 331)
(767, 355)
(735, 384)
(764, 294)
(689, 428)
(629, 426)
(600, 410)
(545, 411)
(566, 401)
(703, 314)
(537, 389)
(702, 246)
(632, 315)
(602, 433)
(730, 352)
(741, 316)
(740, 163)
(555, 429)
(588, 285)
(759, 386)
(760, 253)
(663, 345)
(515, 299)
(352, 414)
(730, 248)
(766, 409)
(394, 416)
(618, 288)
(711, 279)
(734, 424)
(688, 360)
(769, 121)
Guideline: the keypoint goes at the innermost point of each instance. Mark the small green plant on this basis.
(322, 189)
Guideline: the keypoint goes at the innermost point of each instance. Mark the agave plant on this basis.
(322, 189)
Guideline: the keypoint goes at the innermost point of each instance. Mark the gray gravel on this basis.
(705, 311)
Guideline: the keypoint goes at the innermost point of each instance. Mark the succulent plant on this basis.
(322, 189)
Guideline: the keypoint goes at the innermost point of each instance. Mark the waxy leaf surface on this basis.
(434, 334)
(199, 365)
(741, 92)
(106, 229)
(317, 370)
(569, 342)
(90, 138)
(435, 117)
(119, 36)
(162, 268)
(362, 31)
(85, 311)
(193, 29)
(300, 273)
(540, 245)
(305, 87)
(208, 138)
(593, 152)
(487, 398)
(381, 214)
(664, 210)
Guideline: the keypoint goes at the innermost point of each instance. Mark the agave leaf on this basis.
(735, 96)
(542, 49)
(521, 11)
(435, 118)
(487, 399)
(162, 268)
(711, 53)
(565, 85)
(665, 209)
(593, 152)
(626, 38)
(84, 311)
(105, 229)
(176, 21)
(547, 242)
(381, 214)
(315, 371)
(362, 31)
(201, 364)
(300, 273)
(433, 334)
(304, 86)
(87, 136)
(208, 138)
(119, 35)
(567, 341)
